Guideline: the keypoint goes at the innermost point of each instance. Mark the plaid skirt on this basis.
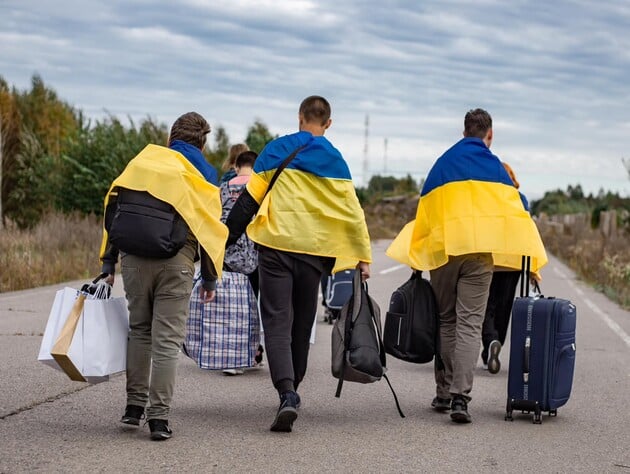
(225, 333)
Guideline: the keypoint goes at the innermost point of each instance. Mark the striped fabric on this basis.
(225, 333)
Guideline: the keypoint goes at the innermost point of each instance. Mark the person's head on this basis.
(478, 124)
(191, 128)
(245, 162)
(314, 115)
(234, 151)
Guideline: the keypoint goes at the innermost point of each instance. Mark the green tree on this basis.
(98, 155)
(217, 154)
(30, 170)
(258, 135)
(10, 125)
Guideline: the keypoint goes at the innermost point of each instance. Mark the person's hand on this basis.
(364, 268)
(109, 279)
(206, 295)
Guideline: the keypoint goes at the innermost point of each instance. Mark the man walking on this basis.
(160, 213)
(470, 217)
(308, 222)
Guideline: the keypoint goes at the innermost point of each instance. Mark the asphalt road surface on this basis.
(221, 424)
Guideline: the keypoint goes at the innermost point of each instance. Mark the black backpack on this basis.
(145, 226)
(412, 324)
(357, 347)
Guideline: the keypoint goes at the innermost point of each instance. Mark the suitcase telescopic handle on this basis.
(526, 352)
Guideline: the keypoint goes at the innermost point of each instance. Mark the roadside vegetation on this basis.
(56, 166)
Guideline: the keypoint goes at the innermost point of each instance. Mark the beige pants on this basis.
(461, 288)
(158, 292)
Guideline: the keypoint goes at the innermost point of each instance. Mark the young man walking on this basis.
(151, 210)
(470, 217)
(310, 222)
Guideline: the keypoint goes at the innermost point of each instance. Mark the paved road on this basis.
(50, 424)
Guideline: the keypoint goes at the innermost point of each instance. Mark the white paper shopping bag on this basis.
(86, 336)
(62, 305)
(105, 330)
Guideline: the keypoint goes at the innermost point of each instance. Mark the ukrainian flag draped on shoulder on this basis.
(169, 176)
(469, 205)
(313, 207)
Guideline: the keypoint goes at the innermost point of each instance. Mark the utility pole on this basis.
(385, 156)
(366, 179)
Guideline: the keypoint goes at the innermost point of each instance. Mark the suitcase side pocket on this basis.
(563, 376)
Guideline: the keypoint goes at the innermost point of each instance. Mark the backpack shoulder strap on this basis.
(282, 166)
(381, 347)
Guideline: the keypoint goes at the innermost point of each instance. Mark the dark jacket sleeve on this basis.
(208, 270)
(110, 257)
(240, 216)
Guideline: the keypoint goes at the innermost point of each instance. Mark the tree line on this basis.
(574, 201)
(54, 158)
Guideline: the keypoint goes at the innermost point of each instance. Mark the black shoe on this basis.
(133, 415)
(287, 413)
(493, 357)
(459, 411)
(484, 358)
(259, 354)
(441, 404)
(159, 430)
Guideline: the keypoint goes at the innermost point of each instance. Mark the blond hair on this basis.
(235, 150)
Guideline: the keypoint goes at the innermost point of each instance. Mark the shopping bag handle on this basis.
(100, 277)
(91, 288)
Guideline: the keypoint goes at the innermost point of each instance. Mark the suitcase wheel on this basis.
(537, 416)
(508, 411)
(553, 412)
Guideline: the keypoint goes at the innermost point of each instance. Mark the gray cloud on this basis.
(552, 74)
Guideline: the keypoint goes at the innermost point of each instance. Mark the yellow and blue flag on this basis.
(469, 204)
(169, 176)
(313, 207)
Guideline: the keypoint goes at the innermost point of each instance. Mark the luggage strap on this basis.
(381, 352)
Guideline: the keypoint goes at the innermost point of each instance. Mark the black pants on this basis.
(499, 308)
(289, 285)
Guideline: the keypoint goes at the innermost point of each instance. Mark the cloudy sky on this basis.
(554, 75)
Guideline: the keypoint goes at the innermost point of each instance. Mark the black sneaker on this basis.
(493, 357)
(133, 415)
(287, 412)
(441, 404)
(459, 411)
(159, 430)
(259, 354)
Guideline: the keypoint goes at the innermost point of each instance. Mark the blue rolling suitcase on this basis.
(542, 353)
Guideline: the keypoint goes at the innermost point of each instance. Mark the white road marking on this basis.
(611, 323)
(392, 269)
(559, 272)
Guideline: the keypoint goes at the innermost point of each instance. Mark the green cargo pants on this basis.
(158, 291)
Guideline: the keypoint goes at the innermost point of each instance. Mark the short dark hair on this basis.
(477, 123)
(247, 158)
(191, 128)
(315, 109)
